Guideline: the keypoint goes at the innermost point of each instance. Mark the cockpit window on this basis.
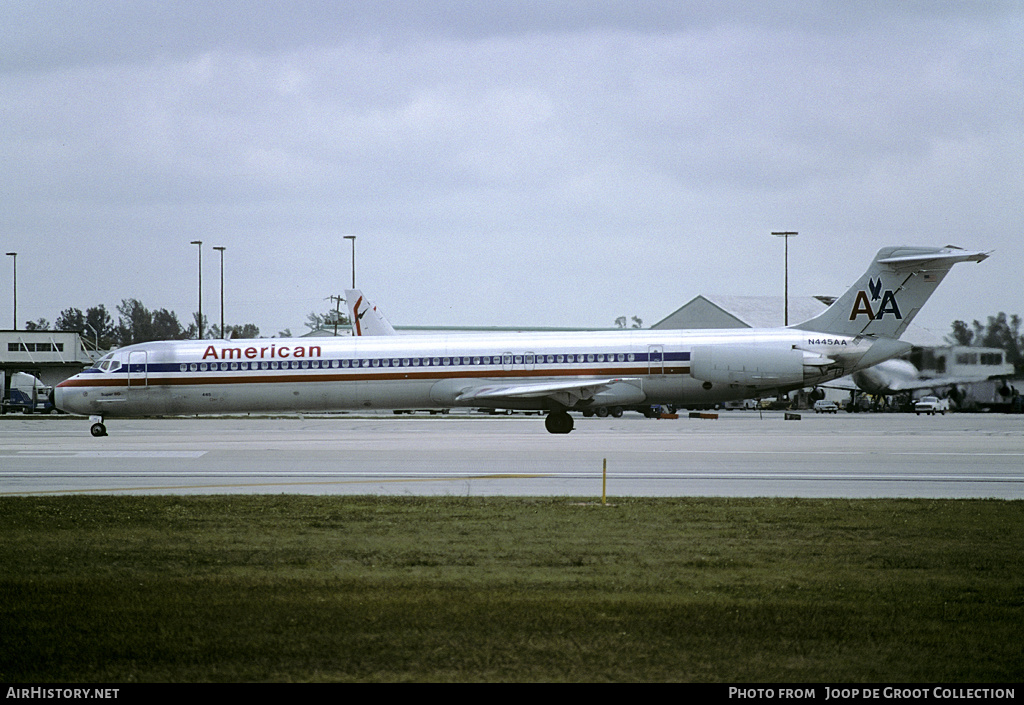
(108, 364)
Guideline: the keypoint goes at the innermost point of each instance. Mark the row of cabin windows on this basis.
(508, 359)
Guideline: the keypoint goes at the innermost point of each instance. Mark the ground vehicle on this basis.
(823, 406)
(748, 404)
(604, 411)
(931, 406)
(28, 394)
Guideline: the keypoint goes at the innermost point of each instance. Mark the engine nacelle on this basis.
(748, 365)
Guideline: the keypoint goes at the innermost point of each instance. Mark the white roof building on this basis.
(50, 355)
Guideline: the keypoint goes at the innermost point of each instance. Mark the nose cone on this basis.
(58, 397)
(64, 397)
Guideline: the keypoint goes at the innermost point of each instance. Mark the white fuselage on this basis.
(444, 371)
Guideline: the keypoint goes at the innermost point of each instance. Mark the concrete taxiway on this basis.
(738, 454)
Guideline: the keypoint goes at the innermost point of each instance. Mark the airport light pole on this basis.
(353, 239)
(199, 323)
(15, 256)
(785, 236)
(221, 250)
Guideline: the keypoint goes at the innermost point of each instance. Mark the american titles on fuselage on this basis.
(254, 353)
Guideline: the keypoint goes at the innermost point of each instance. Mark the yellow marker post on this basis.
(604, 482)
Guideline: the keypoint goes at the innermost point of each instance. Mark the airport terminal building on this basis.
(50, 355)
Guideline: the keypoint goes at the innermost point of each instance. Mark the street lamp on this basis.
(15, 256)
(353, 239)
(785, 236)
(200, 321)
(221, 250)
(95, 333)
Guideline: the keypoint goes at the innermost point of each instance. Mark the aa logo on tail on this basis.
(886, 302)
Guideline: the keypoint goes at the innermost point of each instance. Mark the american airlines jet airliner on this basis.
(553, 372)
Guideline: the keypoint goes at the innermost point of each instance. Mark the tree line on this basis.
(136, 324)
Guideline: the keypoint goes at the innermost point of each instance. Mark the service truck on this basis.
(26, 393)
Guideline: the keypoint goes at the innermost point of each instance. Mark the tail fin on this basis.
(885, 300)
(366, 318)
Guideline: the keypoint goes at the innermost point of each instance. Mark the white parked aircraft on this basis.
(555, 372)
(901, 377)
(366, 318)
(896, 376)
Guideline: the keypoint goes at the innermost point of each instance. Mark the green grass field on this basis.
(299, 588)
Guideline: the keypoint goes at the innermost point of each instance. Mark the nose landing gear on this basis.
(97, 429)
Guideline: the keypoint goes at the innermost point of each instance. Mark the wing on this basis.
(564, 392)
(866, 382)
(933, 383)
(845, 383)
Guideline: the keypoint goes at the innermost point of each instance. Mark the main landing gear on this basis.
(558, 422)
(97, 429)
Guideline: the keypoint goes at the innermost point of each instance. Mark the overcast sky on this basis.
(503, 163)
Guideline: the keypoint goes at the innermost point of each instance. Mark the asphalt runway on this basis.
(740, 454)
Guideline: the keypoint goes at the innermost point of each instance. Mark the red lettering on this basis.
(272, 351)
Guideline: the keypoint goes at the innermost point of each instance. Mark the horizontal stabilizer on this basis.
(948, 257)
